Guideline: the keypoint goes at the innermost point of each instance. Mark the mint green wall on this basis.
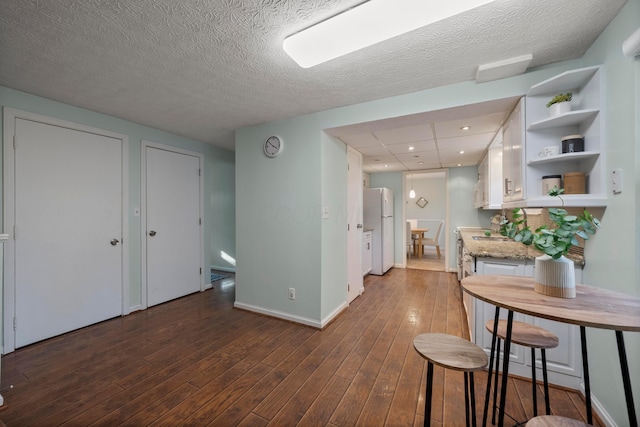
(280, 234)
(334, 193)
(612, 258)
(219, 208)
(461, 211)
(278, 214)
(434, 190)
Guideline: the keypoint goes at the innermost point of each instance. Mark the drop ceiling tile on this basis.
(405, 134)
(360, 140)
(418, 146)
(489, 123)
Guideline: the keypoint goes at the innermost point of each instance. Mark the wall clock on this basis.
(273, 146)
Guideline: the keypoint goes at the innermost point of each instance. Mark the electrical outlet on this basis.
(292, 293)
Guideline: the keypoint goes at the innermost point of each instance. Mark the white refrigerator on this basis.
(377, 210)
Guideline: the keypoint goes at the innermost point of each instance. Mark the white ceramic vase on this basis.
(560, 108)
(555, 277)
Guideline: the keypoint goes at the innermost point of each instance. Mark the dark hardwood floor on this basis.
(198, 361)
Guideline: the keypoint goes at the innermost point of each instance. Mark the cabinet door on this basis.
(486, 312)
(366, 253)
(513, 155)
(563, 362)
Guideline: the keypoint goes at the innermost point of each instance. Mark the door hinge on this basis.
(348, 287)
(14, 232)
(14, 142)
(199, 221)
(199, 172)
(201, 271)
(15, 324)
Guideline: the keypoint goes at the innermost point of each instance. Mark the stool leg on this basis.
(495, 386)
(494, 336)
(545, 380)
(533, 382)
(473, 399)
(427, 398)
(466, 397)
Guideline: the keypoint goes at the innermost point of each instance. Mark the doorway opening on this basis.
(426, 218)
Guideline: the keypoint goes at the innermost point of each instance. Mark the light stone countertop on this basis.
(503, 249)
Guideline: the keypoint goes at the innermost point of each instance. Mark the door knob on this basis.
(359, 225)
(114, 242)
(152, 233)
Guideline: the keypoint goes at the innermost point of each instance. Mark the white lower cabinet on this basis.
(366, 252)
(564, 362)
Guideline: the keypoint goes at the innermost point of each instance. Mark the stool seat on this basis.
(450, 352)
(526, 334)
(455, 353)
(551, 421)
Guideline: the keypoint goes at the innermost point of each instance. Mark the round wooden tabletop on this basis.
(592, 307)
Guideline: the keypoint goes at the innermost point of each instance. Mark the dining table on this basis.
(592, 307)
(420, 233)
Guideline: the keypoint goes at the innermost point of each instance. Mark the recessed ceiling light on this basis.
(459, 164)
(461, 151)
(366, 24)
(386, 166)
(421, 163)
(411, 148)
(465, 128)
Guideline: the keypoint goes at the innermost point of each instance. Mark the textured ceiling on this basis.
(202, 68)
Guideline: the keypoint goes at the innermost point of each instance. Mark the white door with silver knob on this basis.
(173, 242)
(68, 231)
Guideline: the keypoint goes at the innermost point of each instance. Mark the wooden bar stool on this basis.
(531, 336)
(554, 421)
(450, 352)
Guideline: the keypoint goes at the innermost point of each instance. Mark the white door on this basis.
(68, 229)
(354, 224)
(173, 248)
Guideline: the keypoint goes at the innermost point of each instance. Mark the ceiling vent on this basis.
(502, 69)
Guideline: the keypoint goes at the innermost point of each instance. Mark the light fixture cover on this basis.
(367, 24)
(412, 194)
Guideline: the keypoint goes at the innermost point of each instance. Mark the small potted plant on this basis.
(560, 104)
(554, 273)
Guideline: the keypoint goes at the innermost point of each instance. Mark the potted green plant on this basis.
(554, 273)
(560, 104)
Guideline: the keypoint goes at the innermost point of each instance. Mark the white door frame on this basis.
(354, 260)
(204, 283)
(8, 206)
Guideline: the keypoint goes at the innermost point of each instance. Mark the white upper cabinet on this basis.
(513, 156)
(543, 130)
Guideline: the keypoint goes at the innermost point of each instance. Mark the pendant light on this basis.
(412, 193)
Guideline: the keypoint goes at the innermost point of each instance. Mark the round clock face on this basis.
(272, 146)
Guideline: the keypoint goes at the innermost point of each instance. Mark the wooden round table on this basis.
(592, 307)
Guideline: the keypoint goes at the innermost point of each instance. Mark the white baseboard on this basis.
(292, 317)
(599, 409)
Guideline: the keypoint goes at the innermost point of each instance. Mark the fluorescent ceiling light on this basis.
(367, 24)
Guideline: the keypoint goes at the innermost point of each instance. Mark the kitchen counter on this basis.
(498, 248)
